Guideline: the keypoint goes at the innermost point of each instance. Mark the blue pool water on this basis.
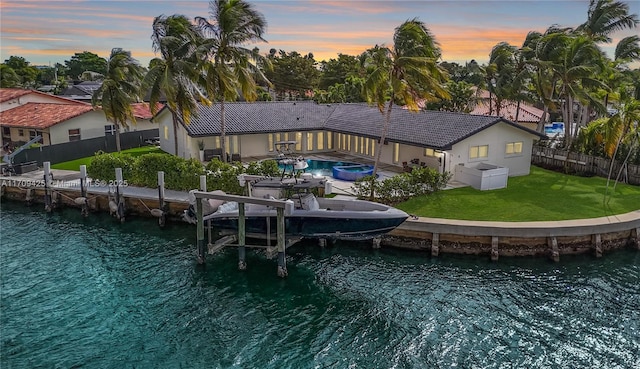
(323, 167)
(94, 293)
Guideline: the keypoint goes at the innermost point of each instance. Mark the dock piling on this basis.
(84, 206)
(119, 196)
(435, 244)
(242, 263)
(200, 232)
(282, 262)
(162, 211)
(48, 199)
(494, 248)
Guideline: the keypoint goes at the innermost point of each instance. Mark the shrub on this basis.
(224, 176)
(103, 166)
(179, 174)
(264, 168)
(401, 187)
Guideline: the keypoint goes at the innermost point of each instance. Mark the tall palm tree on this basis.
(406, 72)
(119, 90)
(606, 17)
(576, 65)
(230, 67)
(502, 70)
(175, 75)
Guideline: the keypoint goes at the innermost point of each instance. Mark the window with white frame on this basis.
(514, 148)
(74, 134)
(110, 129)
(479, 152)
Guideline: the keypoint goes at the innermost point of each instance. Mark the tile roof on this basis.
(142, 110)
(7, 94)
(260, 117)
(508, 109)
(439, 130)
(41, 115)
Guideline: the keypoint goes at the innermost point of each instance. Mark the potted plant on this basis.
(201, 149)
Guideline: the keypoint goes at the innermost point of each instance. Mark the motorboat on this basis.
(305, 214)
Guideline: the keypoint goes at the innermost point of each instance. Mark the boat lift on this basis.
(7, 167)
(282, 242)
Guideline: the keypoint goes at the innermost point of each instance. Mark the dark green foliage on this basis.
(103, 166)
(421, 181)
(179, 174)
(83, 62)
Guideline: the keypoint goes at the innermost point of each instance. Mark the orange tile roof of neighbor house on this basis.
(7, 94)
(41, 115)
(508, 109)
(143, 111)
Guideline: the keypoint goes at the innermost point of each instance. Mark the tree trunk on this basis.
(118, 149)
(383, 137)
(517, 111)
(223, 144)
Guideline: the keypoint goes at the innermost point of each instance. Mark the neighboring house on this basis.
(24, 114)
(440, 140)
(529, 115)
(82, 91)
(12, 97)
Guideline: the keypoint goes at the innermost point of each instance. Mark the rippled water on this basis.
(93, 293)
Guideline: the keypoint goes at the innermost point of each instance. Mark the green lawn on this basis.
(542, 195)
(75, 164)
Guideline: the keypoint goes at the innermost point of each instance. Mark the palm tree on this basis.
(407, 72)
(175, 74)
(501, 72)
(623, 127)
(228, 66)
(576, 68)
(606, 17)
(119, 90)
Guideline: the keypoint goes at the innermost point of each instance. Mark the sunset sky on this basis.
(46, 32)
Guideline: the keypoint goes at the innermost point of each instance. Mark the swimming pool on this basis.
(326, 168)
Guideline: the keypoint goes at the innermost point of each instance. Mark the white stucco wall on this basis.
(91, 125)
(140, 125)
(496, 137)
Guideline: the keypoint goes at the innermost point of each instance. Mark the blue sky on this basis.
(46, 32)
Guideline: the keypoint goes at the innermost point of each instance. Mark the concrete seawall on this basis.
(596, 235)
(434, 235)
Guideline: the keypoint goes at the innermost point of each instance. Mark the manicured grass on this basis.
(75, 164)
(543, 195)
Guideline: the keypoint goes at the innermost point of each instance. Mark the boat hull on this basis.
(313, 227)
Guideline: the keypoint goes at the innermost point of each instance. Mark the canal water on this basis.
(94, 293)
